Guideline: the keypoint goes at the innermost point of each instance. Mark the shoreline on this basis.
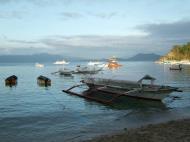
(183, 62)
(171, 131)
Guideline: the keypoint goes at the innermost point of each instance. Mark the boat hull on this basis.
(148, 95)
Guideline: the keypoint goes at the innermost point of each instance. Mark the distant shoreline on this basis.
(183, 62)
(172, 131)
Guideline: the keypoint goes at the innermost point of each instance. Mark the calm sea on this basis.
(29, 113)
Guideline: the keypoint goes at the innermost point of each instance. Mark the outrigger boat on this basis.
(117, 89)
(88, 69)
(65, 72)
(97, 64)
(79, 70)
(176, 67)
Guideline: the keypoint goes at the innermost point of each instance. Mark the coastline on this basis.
(171, 131)
(183, 62)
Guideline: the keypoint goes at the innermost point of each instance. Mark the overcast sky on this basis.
(93, 28)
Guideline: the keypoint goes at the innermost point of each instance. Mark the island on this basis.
(179, 54)
(144, 57)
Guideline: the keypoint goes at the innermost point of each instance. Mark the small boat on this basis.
(176, 67)
(96, 63)
(88, 69)
(43, 81)
(38, 65)
(117, 89)
(65, 72)
(11, 81)
(63, 62)
(112, 63)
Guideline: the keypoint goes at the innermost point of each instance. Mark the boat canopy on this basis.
(147, 77)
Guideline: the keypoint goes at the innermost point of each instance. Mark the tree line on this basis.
(178, 52)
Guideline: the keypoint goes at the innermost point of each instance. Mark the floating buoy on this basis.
(43, 81)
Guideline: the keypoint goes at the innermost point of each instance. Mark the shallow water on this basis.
(32, 113)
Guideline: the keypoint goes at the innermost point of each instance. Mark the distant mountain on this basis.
(144, 57)
(33, 58)
(178, 52)
(42, 58)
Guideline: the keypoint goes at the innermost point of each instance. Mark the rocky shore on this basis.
(173, 131)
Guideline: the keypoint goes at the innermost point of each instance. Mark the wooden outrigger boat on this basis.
(116, 89)
(87, 69)
(79, 70)
(177, 67)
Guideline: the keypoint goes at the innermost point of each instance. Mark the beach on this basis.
(174, 62)
(172, 131)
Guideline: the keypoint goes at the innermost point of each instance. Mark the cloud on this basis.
(180, 29)
(104, 15)
(160, 39)
(15, 46)
(18, 1)
(23, 50)
(11, 14)
(91, 46)
(76, 15)
(40, 2)
(101, 46)
(71, 15)
(22, 41)
(5, 1)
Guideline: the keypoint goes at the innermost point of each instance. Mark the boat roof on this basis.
(110, 80)
(12, 77)
(147, 77)
(43, 78)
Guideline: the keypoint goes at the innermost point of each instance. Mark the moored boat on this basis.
(38, 65)
(63, 62)
(112, 63)
(88, 69)
(131, 88)
(176, 67)
(115, 89)
(65, 72)
(97, 64)
(43, 81)
(11, 81)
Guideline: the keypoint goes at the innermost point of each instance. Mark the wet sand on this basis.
(172, 131)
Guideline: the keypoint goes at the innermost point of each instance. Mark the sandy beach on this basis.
(172, 131)
(174, 62)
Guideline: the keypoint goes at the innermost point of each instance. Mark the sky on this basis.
(93, 28)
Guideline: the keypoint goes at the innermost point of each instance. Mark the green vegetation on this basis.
(179, 52)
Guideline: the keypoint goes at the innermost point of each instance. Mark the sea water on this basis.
(29, 112)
